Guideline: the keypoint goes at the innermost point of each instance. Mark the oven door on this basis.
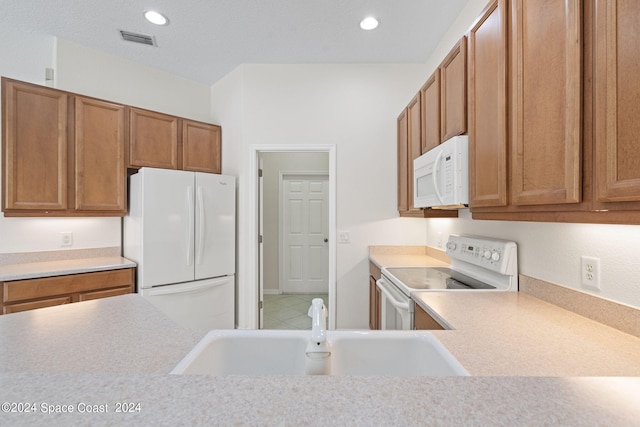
(396, 310)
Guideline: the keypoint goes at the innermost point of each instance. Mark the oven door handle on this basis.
(382, 285)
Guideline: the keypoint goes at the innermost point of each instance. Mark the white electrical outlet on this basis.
(590, 272)
(439, 239)
(66, 239)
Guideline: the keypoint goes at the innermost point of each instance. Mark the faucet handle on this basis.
(318, 304)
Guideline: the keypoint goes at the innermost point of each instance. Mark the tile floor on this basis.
(289, 311)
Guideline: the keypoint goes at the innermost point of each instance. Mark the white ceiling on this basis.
(206, 39)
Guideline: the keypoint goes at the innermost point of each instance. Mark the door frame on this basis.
(249, 293)
(281, 226)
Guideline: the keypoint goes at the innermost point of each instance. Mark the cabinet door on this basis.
(431, 112)
(153, 139)
(414, 145)
(100, 171)
(35, 148)
(488, 107)
(423, 321)
(617, 95)
(200, 147)
(374, 305)
(453, 87)
(403, 173)
(546, 102)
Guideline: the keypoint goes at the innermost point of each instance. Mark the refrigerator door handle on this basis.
(201, 225)
(188, 287)
(190, 225)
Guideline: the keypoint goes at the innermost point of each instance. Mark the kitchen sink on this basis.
(291, 352)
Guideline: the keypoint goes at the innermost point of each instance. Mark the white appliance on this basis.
(441, 175)
(477, 264)
(180, 230)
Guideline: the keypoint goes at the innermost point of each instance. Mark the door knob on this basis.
(326, 240)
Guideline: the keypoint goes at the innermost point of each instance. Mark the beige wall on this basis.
(353, 107)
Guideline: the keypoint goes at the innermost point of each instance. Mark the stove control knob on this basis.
(495, 256)
(451, 246)
(487, 254)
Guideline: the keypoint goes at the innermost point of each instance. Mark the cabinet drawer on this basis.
(87, 296)
(32, 305)
(20, 290)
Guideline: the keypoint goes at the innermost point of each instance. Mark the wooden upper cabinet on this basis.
(163, 141)
(414, 142)
(100, 170)
(546, 101)
(201, 147)
(487, 107)
(35, 150)
(617, 100)
(403, 172)
(444, 99)
(453, 88)
(430, 93)
(153, 139)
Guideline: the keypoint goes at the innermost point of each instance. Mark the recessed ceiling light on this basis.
(369, 23)
(156, 17)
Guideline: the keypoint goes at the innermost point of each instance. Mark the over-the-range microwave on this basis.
(441, 175)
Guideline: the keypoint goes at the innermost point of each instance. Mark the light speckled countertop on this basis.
(120, 349)
(31, 270)
(512, 333)
(407, 256)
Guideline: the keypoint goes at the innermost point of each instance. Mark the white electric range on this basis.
(477, 264)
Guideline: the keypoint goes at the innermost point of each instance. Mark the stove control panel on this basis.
(492, 254)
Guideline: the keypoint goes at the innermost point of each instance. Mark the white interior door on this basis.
(304, 234)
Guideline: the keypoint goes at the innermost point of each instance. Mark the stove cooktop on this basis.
(435, 278)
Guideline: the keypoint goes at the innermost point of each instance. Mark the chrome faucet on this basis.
(318, 314)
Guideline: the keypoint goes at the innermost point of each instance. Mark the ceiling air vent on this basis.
(138, 38)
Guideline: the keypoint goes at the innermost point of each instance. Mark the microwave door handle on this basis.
(435, 176)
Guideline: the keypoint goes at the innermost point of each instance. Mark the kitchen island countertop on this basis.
(114, 354)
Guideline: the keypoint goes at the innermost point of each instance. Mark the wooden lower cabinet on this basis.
(423, 321)
(30, 294)
(374, 297)
(32, 305)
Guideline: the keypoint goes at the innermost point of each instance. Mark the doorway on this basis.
(307, 174)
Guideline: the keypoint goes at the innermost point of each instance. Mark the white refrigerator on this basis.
(180, 230)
